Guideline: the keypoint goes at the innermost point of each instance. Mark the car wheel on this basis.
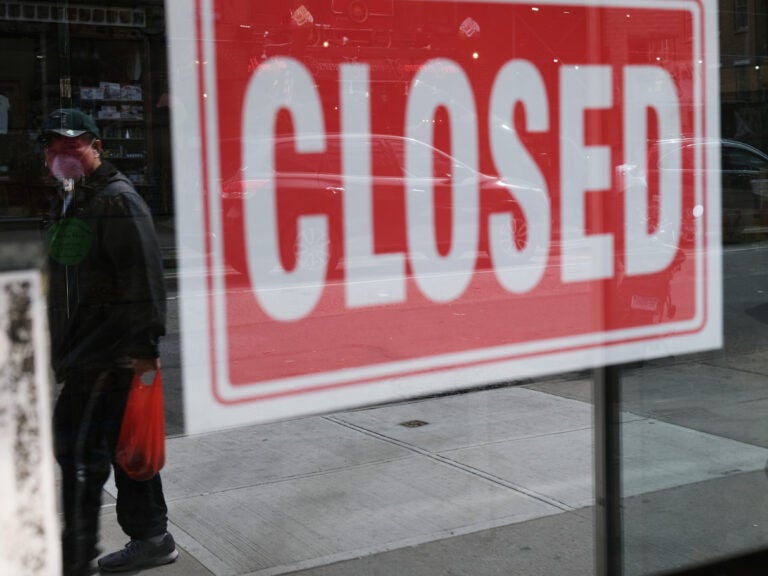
(318, 249)
(514, 240)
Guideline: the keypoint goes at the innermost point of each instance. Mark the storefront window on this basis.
(693, 438)
(385, 209)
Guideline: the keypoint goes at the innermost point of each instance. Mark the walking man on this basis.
(106, 304)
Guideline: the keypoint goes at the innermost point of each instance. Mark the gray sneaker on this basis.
(140, 554)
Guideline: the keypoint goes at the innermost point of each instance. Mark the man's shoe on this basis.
(140, 554)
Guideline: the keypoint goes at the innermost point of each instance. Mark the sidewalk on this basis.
(492, 482)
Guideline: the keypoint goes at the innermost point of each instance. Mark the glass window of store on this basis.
(686, 417)
(494, 473)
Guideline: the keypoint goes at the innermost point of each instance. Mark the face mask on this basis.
(66, 167)
(67, 164)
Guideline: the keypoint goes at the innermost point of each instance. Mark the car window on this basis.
(289, 160)
(331, 158)
(743, 160)
(332, 161)
(443, 166)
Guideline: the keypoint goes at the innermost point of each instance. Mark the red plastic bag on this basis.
(141, 444)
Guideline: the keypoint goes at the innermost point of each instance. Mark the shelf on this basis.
(132, 120)
(84, 101)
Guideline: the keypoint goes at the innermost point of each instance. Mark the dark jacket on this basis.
(106, 293)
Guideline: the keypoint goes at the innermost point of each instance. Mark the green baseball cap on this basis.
(70, 122)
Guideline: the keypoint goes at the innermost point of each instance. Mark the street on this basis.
(745, 289)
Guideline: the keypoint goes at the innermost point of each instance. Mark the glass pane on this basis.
(495, 477)
(387, 466)
(694, 439)
(501, 471)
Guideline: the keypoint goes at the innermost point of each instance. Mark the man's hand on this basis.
(143, 365)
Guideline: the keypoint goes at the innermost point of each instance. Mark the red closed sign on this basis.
(384, 199)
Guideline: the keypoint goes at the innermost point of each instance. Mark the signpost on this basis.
(374, 205)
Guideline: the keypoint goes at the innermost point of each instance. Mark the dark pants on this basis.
(87, 421)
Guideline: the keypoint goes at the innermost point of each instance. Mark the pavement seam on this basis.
(734, 368)
(288, 478)
(455, 464)
(210, 561)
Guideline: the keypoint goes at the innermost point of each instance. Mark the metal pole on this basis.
(65, 60)
(608, 518)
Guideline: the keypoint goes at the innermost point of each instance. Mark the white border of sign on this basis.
(204, 359)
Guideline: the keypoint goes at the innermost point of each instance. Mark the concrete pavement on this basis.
(488, 482)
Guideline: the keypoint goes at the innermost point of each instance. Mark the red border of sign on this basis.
(205, 157)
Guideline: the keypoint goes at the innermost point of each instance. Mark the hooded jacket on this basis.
(106, 295)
